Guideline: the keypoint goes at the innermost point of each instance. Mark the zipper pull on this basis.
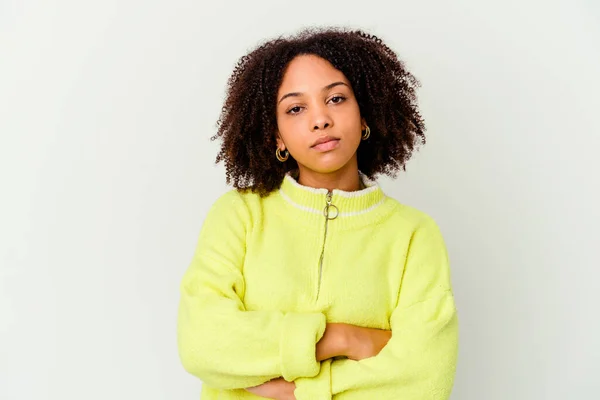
(329, 206)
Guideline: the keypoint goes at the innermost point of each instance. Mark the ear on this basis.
(363, 124)
(280, 143)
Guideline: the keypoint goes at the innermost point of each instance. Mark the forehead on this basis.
(308, 73)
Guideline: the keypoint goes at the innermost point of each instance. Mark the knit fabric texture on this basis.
(268, 274)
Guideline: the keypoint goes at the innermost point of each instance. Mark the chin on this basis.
(328, 167)
(325, 170)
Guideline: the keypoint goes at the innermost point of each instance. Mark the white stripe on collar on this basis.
(341, 214)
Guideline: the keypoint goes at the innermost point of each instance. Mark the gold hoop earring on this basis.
(367, 133)
(280, 157)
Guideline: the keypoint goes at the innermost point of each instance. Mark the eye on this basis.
(337, 99)
(294, 110)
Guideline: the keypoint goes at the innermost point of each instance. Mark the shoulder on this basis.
(231, 198)
(416, 226)
(412, 216)
(235, 206)
(235, 199)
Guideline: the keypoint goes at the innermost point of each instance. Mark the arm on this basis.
(219, 341)
(366, 342)
(333, 343)
(419, 361)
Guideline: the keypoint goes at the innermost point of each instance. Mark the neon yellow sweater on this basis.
(268, 273)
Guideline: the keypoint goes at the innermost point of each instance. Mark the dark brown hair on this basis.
(384, 89)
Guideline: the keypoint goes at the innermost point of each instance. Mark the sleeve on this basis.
(419, 361)
(219, 341)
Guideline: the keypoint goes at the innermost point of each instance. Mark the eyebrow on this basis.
(331, 85)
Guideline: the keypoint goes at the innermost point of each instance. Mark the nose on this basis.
(321, 119)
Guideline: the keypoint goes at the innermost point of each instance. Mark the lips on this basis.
(325, 143)
(323, 140)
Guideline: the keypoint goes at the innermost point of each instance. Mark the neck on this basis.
(346, 178)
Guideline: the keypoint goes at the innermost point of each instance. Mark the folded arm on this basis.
(419, 361)
(219, 341)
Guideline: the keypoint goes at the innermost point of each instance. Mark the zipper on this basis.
(329, 212)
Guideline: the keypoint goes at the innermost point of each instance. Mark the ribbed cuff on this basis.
(299, 336)
(317, 388)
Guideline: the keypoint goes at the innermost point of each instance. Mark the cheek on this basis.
(292, 131)
(352, 126)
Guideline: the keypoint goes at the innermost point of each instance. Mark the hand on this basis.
(278, 389)
(334, 341)
(365, 342)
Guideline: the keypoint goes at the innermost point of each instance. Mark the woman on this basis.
(308, 282)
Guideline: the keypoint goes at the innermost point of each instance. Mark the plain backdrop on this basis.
(107, 171)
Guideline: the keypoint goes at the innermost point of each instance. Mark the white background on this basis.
(106, 173)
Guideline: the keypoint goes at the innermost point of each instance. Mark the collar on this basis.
(308, 204)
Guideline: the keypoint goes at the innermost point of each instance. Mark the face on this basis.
(318, 117)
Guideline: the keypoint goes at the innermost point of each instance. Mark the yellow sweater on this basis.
(268, 273)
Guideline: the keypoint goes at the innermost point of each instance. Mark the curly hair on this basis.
(384, 89)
